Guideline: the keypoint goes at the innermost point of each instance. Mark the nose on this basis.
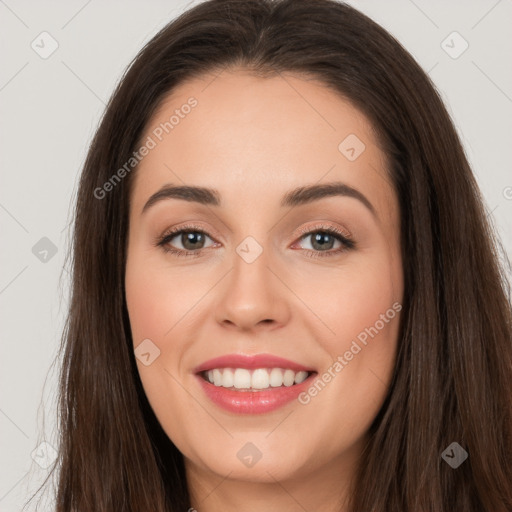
(253, 296)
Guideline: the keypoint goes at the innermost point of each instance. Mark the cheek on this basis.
(359, 308)
(142, 301)
(157, 298)
(353, 298)
(155, 306)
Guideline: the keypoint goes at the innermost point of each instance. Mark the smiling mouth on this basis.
(257, 379)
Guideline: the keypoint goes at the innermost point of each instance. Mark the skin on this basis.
(254, 140)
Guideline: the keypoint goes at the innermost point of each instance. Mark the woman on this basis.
(286, 294)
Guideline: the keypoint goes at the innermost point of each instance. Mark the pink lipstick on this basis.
(252, 384)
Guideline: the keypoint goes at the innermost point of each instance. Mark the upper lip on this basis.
(250, 362)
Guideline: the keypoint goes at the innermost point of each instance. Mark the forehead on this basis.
(252, 137)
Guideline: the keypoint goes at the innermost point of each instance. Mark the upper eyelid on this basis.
(320, 226)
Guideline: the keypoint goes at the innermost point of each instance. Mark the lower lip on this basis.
(253, 402)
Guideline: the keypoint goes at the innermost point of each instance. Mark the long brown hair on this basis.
(454, 364)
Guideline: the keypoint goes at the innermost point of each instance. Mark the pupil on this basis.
(191, 238)
(322, 240)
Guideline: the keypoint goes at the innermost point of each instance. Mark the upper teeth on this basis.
(260, 378)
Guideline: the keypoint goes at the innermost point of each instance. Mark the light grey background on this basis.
(51, 107)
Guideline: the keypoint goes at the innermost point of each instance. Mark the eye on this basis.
(191, 239)
(324, 238)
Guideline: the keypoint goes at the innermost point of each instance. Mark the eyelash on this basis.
(347, 243)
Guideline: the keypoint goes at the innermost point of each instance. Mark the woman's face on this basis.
(258, 275)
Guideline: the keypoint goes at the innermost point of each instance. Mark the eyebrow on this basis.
(296, 197)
